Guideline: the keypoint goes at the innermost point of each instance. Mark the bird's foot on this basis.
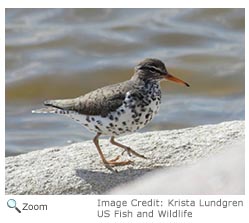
(126, 149)
(118, 163)
(110, 168)
(112, 163)
(116, 158)
(131, 151)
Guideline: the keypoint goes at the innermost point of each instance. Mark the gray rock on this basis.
(77, 169)
(220, 174)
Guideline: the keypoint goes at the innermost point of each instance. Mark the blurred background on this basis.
(64, 53)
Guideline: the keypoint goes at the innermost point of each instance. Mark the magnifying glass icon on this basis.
(11, 203)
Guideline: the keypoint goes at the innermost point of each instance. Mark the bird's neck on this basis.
(147, 84)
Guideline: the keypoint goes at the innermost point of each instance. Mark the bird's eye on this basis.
(153, 70)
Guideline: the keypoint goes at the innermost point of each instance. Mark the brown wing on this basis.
(99, 102)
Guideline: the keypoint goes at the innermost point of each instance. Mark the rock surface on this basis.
(221, 174)
(178, 154)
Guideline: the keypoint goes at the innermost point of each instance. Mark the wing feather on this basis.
(99, 102)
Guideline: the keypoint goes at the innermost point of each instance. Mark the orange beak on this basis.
(175, 79)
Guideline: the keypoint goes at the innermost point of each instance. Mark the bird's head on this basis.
(155, 70)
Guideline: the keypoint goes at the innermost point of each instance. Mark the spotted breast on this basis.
(136, 111)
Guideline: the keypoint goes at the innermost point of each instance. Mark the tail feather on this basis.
(66, 104)
(46, 110)
(52, 110)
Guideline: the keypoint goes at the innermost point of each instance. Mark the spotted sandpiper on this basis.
(119, 108)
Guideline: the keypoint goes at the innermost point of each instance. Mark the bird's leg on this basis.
(126, 148)
(96, 142)
(108, 164)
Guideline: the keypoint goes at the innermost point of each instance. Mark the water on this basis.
(63, 53)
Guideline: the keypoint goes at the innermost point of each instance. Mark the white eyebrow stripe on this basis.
(159, 70)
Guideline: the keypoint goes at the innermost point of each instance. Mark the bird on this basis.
(117, 109)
